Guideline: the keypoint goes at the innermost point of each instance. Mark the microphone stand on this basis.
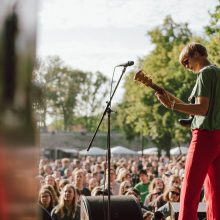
(108, 111)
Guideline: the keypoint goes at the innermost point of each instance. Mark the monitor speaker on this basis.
(174, 207)
(122, 207)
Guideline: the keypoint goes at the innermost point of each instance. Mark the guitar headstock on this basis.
(147, 81)
(140, 76)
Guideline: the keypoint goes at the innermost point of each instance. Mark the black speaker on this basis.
(122, 207)
(174, 207)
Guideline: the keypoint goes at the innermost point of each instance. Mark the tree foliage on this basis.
(140, 112)
(213, 32)
(69, 93)
(213, 27)
(91, 99)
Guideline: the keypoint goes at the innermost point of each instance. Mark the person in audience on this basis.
(55, 198)
(65, 164)
(79, 183)
(124, 186)
(47, 170)
(45, 199)
(68, 174)
(134, 192)
(134, 173)
(151, 190)
(172, 194)
(50, 180)
(156, 188)
(92, 184)
(62, 183)
(68, 207)
(114, 185)
(143, 185)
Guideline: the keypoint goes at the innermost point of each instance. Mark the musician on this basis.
(203, 159)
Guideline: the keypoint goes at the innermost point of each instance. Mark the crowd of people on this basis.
(153, 181)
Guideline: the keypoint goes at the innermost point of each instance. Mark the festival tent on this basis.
(179, 150)
(119, 150)
(93, 151)
(151, 151)
(69, 150)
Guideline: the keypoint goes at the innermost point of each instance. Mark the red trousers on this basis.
(202, 167)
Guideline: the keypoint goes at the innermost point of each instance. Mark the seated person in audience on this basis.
(55, 198)
(50, 180)
(62, 183)
(92, 183)
(98, 191)
(79, 181)
(124, 186)
(175, 180)
(134, 192)
(114, 185)
(143, 185)
(45, 200)
(67, 208)
(171, 195)
(156, 188)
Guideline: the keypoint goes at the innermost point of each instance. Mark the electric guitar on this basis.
(141, 77)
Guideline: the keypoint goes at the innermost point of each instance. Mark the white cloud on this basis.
(96, 35)
(120, 13)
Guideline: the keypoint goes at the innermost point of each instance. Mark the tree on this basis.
(213, 32)
(140, 111)
(214, 25)
(69, 95)
(91, 99)
(63, 84)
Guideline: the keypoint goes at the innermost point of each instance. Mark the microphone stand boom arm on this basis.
(107, 108)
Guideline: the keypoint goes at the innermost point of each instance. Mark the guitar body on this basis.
(186, 122)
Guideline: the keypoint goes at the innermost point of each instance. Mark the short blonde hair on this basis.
(190, 49)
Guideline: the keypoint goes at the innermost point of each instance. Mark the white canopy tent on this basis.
(151, 151)
(179, 150)
(69, 150)
(93, 151)
(119, 150)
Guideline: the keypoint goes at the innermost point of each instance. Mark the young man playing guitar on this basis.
(203, 158)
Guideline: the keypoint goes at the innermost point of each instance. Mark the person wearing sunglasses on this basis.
(172, 194)
(203, 158)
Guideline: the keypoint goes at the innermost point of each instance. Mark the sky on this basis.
(97, 35)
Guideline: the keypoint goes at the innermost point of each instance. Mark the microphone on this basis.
(129, 63)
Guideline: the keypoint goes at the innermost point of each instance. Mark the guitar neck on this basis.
(156, 88)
